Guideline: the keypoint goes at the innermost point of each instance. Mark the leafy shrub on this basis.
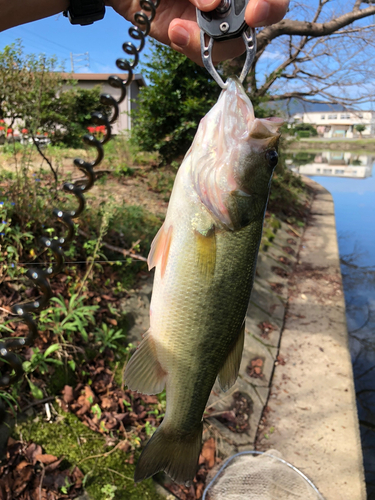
(304, 130)
(170, 108)
(303, 133)
(33, 95)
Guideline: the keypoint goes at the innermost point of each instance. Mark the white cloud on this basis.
(271, 55)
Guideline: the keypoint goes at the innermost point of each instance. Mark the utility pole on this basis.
(79, 61)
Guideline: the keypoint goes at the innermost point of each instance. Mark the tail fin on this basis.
(175, 453)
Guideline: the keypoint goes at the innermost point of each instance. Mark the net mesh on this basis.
(263, 476)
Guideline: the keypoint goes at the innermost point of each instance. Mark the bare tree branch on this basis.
(330, 59)
(308, 28)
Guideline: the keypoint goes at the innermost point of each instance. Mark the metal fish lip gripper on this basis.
(226, 22)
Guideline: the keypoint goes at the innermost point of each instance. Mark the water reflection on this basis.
(355, 222)
(359, 286)
(332, 163)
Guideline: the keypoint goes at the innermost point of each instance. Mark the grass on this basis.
(128, 223)
(67, 437)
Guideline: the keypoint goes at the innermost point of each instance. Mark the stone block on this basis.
(262, 326)
(267, 302)
(257, 362)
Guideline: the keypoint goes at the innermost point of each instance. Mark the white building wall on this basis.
(339, 123)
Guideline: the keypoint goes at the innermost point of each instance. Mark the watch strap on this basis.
(85, 12)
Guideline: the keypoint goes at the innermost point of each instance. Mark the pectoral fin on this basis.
(206, 251)
(144, 372)
(160, 249)
(229, 372)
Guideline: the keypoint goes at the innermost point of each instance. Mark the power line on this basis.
(44, 38)
(41, 48)
(22, 28)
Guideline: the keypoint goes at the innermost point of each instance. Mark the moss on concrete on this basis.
(68, 437)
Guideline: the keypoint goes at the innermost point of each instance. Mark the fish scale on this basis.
(204, 257)
(215, 332)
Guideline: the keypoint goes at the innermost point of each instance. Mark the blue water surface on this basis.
(355, 215)
(354, 200)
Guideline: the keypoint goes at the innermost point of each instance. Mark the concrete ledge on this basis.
(311, 415)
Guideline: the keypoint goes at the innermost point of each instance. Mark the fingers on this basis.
(185, 38)
(258, 12)
(205, 5)
(265, 12)
(184, 34)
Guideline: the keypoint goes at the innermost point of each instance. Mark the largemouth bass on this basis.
(205, 256)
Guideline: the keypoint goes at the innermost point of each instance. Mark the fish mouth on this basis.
(264, 128)
(274, 141)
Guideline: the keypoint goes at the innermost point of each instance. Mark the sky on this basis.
(56, 36)
(103, 42)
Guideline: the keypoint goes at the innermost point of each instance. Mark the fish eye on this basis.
(272, 157)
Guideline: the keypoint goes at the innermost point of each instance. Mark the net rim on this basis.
(255, 452)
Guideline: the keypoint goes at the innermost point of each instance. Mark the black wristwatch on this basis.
(85, 12)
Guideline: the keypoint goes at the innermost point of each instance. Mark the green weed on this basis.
(107, 337)
(67, 320)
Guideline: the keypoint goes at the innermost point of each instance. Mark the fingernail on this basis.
(180, 36)
(205, 4)
(261, 13)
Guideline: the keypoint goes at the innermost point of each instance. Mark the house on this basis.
(90, 80)
(333, 123)
(86, 81)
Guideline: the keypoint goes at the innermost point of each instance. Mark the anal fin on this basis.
(229, 372)
(144, 372)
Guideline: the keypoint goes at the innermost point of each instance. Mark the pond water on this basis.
(350, 177)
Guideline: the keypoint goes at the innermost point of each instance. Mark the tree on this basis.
(305, 130)
(170, 108)
(33, 98)
(321, 52)
(360, 128)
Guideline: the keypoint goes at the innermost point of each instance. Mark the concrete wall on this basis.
(312, 406)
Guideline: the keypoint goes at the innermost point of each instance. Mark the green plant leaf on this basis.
(52, 348)
(72, 364)
(26, 365)
(36, 392)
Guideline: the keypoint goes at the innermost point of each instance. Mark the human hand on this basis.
(175, 23)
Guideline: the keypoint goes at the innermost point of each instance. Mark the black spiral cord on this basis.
(40, 278)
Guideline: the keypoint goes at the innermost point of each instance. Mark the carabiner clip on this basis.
(226, 22)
